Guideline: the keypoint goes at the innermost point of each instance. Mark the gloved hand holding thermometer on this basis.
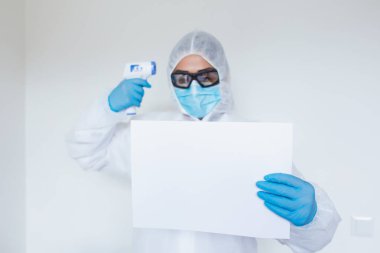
(129, 93)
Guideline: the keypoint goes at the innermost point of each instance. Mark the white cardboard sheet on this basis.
(200, 176)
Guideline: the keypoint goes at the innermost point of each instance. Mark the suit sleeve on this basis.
(99, 141)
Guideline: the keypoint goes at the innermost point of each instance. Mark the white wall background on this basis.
(12, 97)
(314, 63)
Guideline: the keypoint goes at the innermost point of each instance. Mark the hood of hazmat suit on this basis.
(208, 47)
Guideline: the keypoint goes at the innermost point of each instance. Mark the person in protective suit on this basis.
(200, 82)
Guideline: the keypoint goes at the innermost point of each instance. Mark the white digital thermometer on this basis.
(139, 70)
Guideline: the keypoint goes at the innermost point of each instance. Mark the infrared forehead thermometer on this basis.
(139, 70)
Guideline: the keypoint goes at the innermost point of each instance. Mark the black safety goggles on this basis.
(205, 77)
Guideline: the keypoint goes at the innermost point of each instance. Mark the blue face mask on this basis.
(198, 101)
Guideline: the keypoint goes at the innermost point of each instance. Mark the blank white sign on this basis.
(201, 176)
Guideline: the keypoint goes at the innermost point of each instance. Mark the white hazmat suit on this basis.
(100, 141)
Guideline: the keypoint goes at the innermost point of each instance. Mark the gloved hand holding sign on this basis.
(289, 197)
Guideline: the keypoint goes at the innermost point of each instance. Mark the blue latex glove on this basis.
(128, 93)
(289, 197)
